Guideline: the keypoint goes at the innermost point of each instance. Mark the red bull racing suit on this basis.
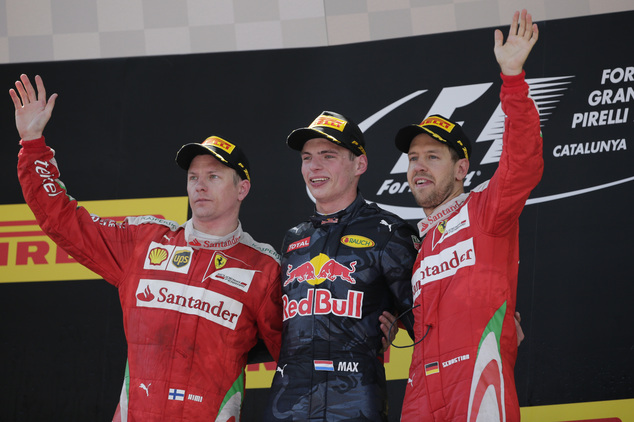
(465, 283)
(193, 304)
(339, 273)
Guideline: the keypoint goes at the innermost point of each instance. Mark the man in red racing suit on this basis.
(193, 303)
(465, 277)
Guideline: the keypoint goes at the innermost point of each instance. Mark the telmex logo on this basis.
(27, 254)
(320, 269)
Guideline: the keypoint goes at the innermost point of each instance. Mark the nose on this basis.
(416, 166)
(314, 163)
(201, 185)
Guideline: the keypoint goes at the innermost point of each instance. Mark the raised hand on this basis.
(521, 39)
(32, 111)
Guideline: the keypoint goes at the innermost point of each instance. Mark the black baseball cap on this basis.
(332, 126)
(224, 151)
(441, 129)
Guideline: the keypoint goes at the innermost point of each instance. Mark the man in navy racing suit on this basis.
(341, 269)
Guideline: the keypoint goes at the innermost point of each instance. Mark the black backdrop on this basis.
(119, 122)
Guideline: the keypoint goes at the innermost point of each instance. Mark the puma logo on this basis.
(147, 392)
(281, 370)
(385, 223)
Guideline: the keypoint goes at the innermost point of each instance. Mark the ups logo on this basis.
(181, 258)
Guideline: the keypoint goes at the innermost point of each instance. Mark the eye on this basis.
(192, 178)
(412, 158)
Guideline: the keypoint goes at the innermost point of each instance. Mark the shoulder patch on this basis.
(264, 248)
(150, 219)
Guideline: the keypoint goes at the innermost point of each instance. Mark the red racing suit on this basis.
(193, 304)
(465, 283)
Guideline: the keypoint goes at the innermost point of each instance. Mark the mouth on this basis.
(421, 182)
(317, 180)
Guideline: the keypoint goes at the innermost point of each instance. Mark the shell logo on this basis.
(157, 256)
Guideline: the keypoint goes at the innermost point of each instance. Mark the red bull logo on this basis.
(321, 302)
(320, 269)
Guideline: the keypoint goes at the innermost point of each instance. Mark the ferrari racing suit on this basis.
(193, 304)
(339, 273)
(465, 282)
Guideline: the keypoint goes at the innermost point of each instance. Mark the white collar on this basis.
(197, 239)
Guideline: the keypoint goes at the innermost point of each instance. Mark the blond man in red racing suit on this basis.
(195, 297)
(465, 277)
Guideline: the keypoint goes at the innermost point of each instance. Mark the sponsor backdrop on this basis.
(118, 124)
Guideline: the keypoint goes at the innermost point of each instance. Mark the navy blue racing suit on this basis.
(339, 273)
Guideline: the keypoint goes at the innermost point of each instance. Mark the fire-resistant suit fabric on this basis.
(339, 273)
(465, 283)
(193, 304)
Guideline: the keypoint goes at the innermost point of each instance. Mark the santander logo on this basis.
(444, 264)
(146, 295)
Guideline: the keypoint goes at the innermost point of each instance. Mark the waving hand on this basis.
(32, 111)
(521, 39)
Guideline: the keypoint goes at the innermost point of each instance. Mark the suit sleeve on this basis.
(98, 244)
(398, 260)
(270, 313)
(521, 162)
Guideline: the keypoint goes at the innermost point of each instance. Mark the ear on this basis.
(461, 169)
(362, 164)
(244, 186)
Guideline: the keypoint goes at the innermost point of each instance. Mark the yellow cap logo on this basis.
(329, 121)
(220, 143)
(439, 122)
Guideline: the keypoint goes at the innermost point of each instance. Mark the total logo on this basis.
(320, 269)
